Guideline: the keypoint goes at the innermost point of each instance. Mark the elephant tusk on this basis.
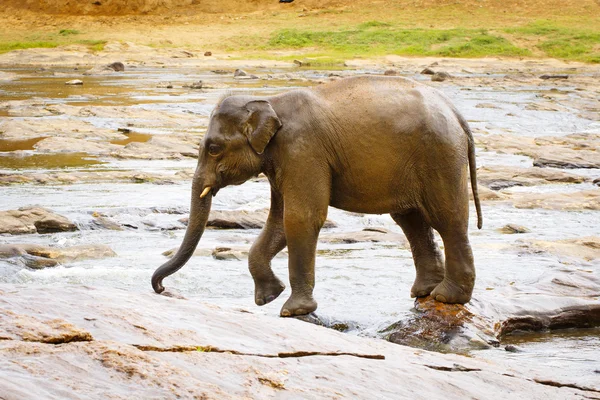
(205, 191)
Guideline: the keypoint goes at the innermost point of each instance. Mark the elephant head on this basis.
(239, 130)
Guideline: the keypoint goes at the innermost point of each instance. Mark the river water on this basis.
(365, 284)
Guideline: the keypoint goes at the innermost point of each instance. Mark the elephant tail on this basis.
(472, 166)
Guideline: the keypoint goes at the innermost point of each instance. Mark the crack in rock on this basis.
(454, 368)
(296, 354)
(548, 382)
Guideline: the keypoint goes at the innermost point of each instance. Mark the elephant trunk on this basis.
(199, 211)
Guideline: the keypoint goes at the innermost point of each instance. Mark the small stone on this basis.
(194, 85)
(390, 72)
(207, 53)
(298, 63)
(597, 181)
(510, 229)
(116, 66)
(165, 85)
(74, 82)
(440, 76)
(512, 349)
(428, 71)
(240, 72)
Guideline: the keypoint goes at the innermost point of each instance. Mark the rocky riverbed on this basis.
(95, 193)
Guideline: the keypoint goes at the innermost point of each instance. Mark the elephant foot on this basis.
(453, 293)
(265, 293)
(423, 287)
(298, 305)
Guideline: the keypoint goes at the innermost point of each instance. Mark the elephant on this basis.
(364, 144)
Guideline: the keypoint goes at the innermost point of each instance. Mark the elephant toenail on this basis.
(440, 298)
(285, 313)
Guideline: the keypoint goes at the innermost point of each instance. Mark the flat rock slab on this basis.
(32, 220)
(159, 347)
(38, 257)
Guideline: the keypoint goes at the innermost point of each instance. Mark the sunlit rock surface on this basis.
(78, 342)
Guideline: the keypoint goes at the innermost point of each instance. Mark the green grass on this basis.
(374, 38)
(10, 46)
(94, 45)
(562, 42)
(66, 32)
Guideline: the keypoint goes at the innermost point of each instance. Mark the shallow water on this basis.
(366, 284)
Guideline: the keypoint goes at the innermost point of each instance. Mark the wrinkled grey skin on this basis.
(370, 145)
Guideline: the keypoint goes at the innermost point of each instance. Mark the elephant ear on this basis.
(262, 124)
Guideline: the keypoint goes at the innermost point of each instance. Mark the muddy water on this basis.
(365, 284)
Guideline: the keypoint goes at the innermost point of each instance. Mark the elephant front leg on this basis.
(267, 287)
(303, 221)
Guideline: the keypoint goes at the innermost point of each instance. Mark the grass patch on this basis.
(563, 42)
(374, 38)
(67, 32)
(10, 46)
(94, 45)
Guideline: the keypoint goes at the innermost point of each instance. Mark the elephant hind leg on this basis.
(428, 259)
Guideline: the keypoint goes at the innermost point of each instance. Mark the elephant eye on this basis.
(214, 149)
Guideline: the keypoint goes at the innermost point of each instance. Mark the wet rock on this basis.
(579, 316)
(29, 328)
(106, 69)
(33, 219)
(390, 72)
(101, 222)
(584, 248)
(440, 76)
(597, 181)
(116, 66)
(165, 85)
(546, 77)
(442, 327)
(239, 72)
(228, 253)
(35, 262)
(512, 349)
(194, 85)
(38, 256)
(74, 82)
(367, 235)
(128, 343)
(487, 105)
(71, 145)
(427, 71)
(242, 219)
(582, 200)
(486, 194)
(510, 229)
(220, 72)
(570, 151)
(501, 177)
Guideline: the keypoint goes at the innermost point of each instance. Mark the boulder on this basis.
(442, 327)
(32, 220)
(117, 342)
(116, 66)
